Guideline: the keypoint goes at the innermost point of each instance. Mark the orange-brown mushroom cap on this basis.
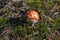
(33, 15)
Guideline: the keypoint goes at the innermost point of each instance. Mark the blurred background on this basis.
(14, 27)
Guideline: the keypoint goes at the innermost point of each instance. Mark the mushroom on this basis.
(33, 16)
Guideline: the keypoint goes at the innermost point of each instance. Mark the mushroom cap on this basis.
(33, 15)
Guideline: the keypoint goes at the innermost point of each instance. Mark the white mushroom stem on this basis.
(34, 21)
(33, 24)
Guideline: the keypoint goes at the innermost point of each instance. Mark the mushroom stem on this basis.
(33, 24)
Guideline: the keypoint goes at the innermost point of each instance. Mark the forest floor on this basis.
(14, 27)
